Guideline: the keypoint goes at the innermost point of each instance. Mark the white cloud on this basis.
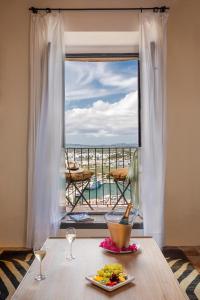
(104, 119)
(119, 81)
(86, 80)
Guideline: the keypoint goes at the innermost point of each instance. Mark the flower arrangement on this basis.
(108, 244)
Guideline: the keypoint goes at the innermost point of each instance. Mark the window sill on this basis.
(98, 223)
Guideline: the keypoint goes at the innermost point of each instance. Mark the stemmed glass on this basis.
(70, 236)
(40, 255)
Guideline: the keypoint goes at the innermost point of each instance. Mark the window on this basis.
(102, 125)
(102, 101)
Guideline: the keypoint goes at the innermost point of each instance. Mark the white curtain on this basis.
(153, 29)
(45, 127)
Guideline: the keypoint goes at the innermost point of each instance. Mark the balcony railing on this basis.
(102, 191)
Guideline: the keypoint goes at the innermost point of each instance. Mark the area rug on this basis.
(13, 267)
(187, 276)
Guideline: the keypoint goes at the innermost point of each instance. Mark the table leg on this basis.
(68, 184)
(122, 193)
(81, 195)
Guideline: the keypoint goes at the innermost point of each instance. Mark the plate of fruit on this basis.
(110, 277)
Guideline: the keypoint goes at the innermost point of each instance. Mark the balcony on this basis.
(102, 192)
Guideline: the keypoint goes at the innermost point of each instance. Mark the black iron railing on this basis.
(102, 190)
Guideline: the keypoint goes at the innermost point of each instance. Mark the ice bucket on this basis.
(120, 233)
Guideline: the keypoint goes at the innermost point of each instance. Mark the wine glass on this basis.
(40, 255)
(70, 236)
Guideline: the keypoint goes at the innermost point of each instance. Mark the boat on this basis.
(77, 194)
(94, 184)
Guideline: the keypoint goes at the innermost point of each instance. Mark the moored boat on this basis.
(94, 184)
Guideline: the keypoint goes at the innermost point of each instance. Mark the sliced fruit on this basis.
(122, 279)
(98, 278)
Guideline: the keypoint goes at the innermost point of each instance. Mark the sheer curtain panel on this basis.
(45, 127)
(153, 28)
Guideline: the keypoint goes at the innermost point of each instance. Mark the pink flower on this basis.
(108, 244)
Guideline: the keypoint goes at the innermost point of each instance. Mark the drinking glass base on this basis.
(70, 258)
(40, 277)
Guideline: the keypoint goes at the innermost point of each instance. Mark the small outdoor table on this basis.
(74, 178)
(120, 176)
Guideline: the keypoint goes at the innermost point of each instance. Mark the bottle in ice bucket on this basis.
(124, 219)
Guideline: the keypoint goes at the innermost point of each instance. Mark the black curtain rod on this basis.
(48, 10)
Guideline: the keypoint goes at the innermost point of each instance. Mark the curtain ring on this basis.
(34, 10)
(163, 9)
(48, 10)
(156, 9)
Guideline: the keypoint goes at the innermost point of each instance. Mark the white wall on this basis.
(182, 220)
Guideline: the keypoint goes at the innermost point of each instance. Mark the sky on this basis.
(101, 103)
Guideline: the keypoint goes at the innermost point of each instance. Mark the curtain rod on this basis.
(48, 10)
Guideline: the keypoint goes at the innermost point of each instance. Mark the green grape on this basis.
(105, 280)
(101, 273)
(108, 270)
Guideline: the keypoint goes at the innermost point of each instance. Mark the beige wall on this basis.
(13, 121)
(182, 218)
(183, 164)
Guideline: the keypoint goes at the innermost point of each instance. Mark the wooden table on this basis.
(154, 279)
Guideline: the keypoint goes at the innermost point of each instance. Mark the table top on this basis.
(154, 279)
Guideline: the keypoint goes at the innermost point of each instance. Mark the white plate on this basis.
(126, 251)
(109, 288)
